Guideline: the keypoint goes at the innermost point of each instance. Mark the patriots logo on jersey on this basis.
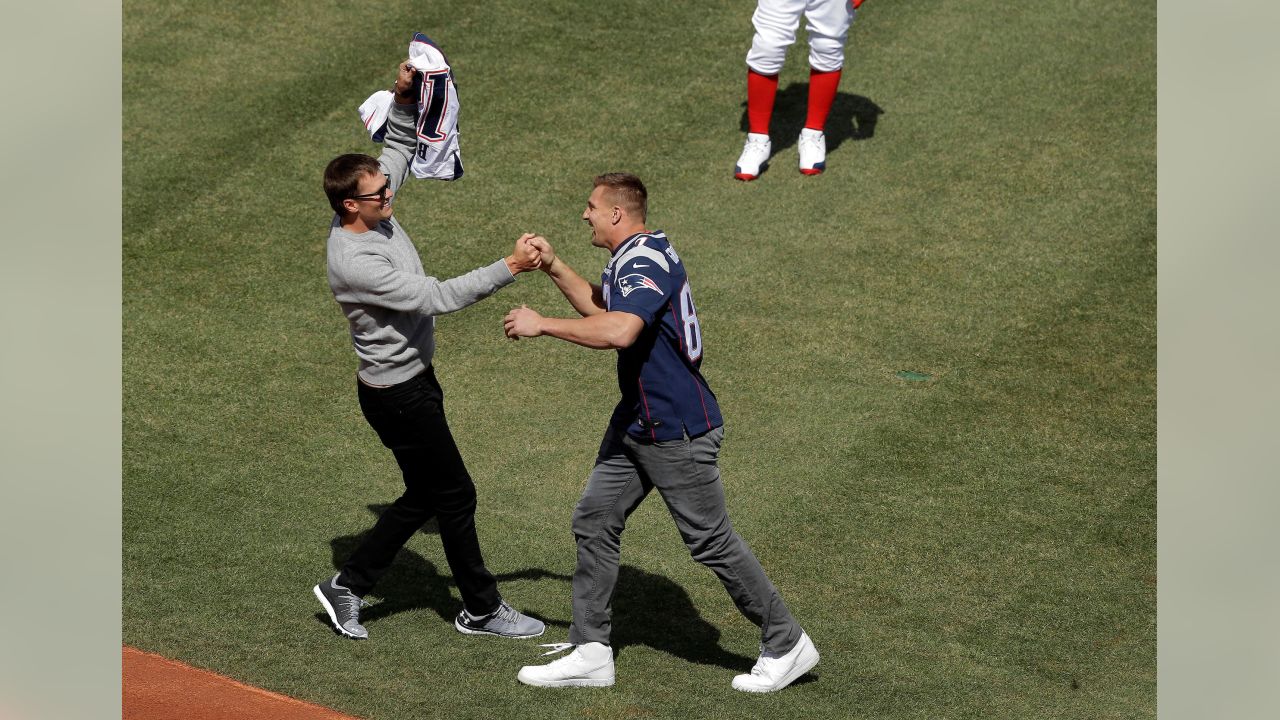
(635, 281)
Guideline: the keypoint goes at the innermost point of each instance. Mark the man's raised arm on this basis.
(585, 297)
(402, 129)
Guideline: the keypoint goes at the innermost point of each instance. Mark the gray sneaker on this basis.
(343, 607)
(506, 621)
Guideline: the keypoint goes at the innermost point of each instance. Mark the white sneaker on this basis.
(813, 151)
(774, 672)
(589, 665)
(755, 155)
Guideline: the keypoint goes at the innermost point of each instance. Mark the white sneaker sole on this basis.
(469, 631)
(567, 682)
(333, 616)
(808, 658)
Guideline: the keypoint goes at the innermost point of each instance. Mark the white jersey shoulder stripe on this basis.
(640, 251)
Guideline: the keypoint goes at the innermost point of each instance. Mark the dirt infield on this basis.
(157, 688)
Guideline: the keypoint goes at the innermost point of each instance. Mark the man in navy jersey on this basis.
(665, 433)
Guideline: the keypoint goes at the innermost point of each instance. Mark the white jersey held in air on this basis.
(437, 154)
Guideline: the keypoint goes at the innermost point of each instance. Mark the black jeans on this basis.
(409, 418)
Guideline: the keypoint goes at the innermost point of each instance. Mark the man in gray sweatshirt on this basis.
(390, 303)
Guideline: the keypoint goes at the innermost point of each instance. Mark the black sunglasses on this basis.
(380, 195)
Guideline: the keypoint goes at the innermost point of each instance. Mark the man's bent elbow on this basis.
(623, 338)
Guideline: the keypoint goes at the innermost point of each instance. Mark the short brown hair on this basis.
(342, 177)
(627, 191)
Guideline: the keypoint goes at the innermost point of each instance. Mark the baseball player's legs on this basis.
(828, 28)
(613, 491)
(775, 22)
(686, 475)
(409, 419)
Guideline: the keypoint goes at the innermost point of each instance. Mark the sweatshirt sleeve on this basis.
(399, 143)
(372, 280)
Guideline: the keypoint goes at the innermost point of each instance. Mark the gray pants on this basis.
(685, 474)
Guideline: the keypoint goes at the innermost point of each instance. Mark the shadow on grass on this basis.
(853, 117)
(651, 610)
(648, 609)
(412, 582)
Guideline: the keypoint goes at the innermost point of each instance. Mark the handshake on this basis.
(532, 252)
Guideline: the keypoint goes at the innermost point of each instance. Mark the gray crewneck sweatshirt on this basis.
(377, 278)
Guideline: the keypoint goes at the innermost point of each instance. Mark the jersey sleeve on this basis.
(642, 283)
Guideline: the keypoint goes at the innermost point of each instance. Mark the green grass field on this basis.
(979, 543)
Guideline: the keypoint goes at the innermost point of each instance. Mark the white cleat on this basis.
(589, 665)
(754, 158)
(774, 672)
(813, 151)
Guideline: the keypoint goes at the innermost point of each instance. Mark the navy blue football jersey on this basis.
(664, 395)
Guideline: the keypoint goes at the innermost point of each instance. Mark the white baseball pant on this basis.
(776, 22)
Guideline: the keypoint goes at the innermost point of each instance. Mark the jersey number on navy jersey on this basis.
(689, 325)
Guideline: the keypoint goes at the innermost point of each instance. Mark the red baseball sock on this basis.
(822, 93)
(761, 91)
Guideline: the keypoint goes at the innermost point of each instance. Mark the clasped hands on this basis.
(532, 252)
